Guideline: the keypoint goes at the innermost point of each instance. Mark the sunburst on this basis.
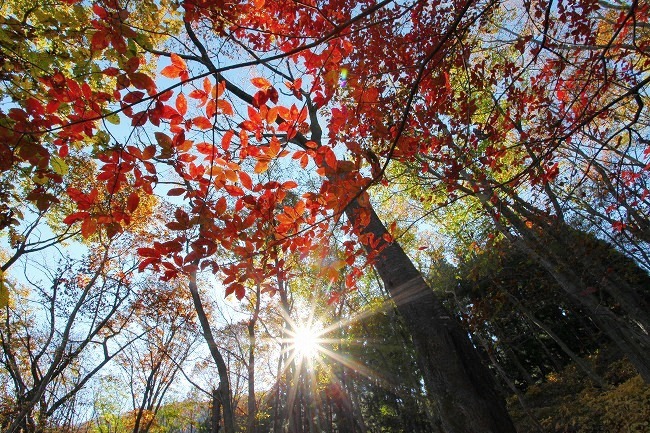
(305, 341)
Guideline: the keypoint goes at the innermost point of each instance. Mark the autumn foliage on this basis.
(266, 126)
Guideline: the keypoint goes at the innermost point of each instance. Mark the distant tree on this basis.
(59, 332)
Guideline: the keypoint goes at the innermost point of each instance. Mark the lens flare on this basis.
(306, 342)
(343, 77)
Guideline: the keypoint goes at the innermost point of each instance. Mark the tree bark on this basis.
(454, 375)
(224, 380)
(252, 404)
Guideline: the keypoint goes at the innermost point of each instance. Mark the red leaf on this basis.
(139, 119)
(99, 41)
(176, 191)
(133, 97)
(146, 262)
(234, 191)
(163, 141)
(148, 252)
(111, 71)
(206, 149)
(88, 227)
(77, 216)
(150, 151)
(330, 157)
(132, 202)
(220, 206)
(227, 137)
(273, 95)
(144, 82)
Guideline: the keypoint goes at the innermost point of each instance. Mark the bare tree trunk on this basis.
(216, 411)
(454, 375)
(252, 404)
(224, 382)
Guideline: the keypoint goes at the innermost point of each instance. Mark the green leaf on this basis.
(58, 165)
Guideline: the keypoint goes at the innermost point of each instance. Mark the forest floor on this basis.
(570, 403)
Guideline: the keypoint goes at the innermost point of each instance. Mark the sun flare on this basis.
(305, 341)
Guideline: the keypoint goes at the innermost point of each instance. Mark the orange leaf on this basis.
(218, 90)
(181, 104)
(170, 71)
(284, 112)
(245, 179)
(178, 62)
(261, 166)
(290, 184)
(227, 137)
(211, 108)
(271, 115)
(198, 94)
(261, 83)
(202, 122)
(254, 115)
(225, 107)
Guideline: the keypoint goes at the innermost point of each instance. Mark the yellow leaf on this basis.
(4, 292)
(113, 118)
(39, 180)
(58, 165)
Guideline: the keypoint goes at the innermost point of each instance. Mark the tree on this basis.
(58, 337)
(166, 335)
(209, 139)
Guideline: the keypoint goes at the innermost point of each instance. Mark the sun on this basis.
(305, 341)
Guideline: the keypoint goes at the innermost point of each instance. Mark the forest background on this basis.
(340, 216)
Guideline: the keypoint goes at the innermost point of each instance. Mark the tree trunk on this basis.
(252, 404)
(460, 385)
(224, 381)
(216, 412)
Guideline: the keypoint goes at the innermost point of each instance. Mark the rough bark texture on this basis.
(454, 375)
